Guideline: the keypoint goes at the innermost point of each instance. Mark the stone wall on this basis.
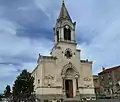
(109, 100)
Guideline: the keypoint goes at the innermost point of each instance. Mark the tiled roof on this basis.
(109, 70)
(95, 76)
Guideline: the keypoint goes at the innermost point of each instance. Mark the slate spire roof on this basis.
(64, 13)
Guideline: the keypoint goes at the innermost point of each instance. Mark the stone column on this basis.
(77, 83)
(63, 84)
(62, 34)
(63, 88)
(77, 89)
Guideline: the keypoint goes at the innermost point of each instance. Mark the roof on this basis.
(95, 77)
(86, 61)
(109, 70)
(64, 13)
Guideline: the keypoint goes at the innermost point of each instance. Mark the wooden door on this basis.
(69, 88)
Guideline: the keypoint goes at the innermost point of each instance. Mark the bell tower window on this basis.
(57, 33)
(67, 33)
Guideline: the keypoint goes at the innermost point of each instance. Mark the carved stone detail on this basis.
(87, 85)
(69, 66)
(87, 79)
(58, 78)
(49, 80)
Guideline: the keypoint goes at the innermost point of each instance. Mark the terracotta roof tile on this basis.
(109, 70)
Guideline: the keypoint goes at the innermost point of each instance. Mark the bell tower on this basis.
(64, 32)
(64, 29)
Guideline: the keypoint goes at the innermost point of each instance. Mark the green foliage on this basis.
(7, 91)
(0, 97)
(23, 86)
(117, 84)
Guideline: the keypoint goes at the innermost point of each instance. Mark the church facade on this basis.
(64, 74)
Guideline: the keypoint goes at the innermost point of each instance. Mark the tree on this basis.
(0, 97)
(23, 86)
(7, 91)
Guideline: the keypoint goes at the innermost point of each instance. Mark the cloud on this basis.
(21, 41)
(18, 53)
(26, 30)
(105, 47)
(97, 31)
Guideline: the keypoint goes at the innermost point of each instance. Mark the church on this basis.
(63, 74)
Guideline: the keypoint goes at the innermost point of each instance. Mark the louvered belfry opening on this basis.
(67, 34)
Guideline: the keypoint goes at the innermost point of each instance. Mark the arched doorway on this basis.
(70, 80)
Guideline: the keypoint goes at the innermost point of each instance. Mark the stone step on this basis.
(101, 100)
(71, 100)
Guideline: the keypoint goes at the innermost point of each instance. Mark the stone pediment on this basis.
(41, 57)
(69, 70)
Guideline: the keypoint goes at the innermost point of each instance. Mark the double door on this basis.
(69, 88)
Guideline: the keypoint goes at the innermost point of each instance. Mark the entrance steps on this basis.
(101, 100)
(71, 100)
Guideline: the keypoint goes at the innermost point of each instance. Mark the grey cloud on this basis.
(31, 19)
(26, 30)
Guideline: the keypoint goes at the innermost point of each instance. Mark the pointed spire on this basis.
(64, 13)
(63, 1)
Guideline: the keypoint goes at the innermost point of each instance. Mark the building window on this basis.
(95, 80)
(57, 32)
(109, 76)
(102, 77)
(93, 98)
(110, 83)
(48, 85)
(88, 98)
(38, 81)
(67, 33)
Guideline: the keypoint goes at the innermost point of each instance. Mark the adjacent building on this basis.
(64, 74)
(110, 81)
(96, 85)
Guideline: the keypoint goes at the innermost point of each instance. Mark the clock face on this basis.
(68, 53)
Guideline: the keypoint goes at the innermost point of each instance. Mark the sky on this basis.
(26, 29)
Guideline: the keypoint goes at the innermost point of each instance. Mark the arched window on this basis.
(67, 33)
(57, 33)
(38, 81)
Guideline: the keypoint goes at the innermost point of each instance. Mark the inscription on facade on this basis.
(49, 80)
(87, 85)
(87, 79)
